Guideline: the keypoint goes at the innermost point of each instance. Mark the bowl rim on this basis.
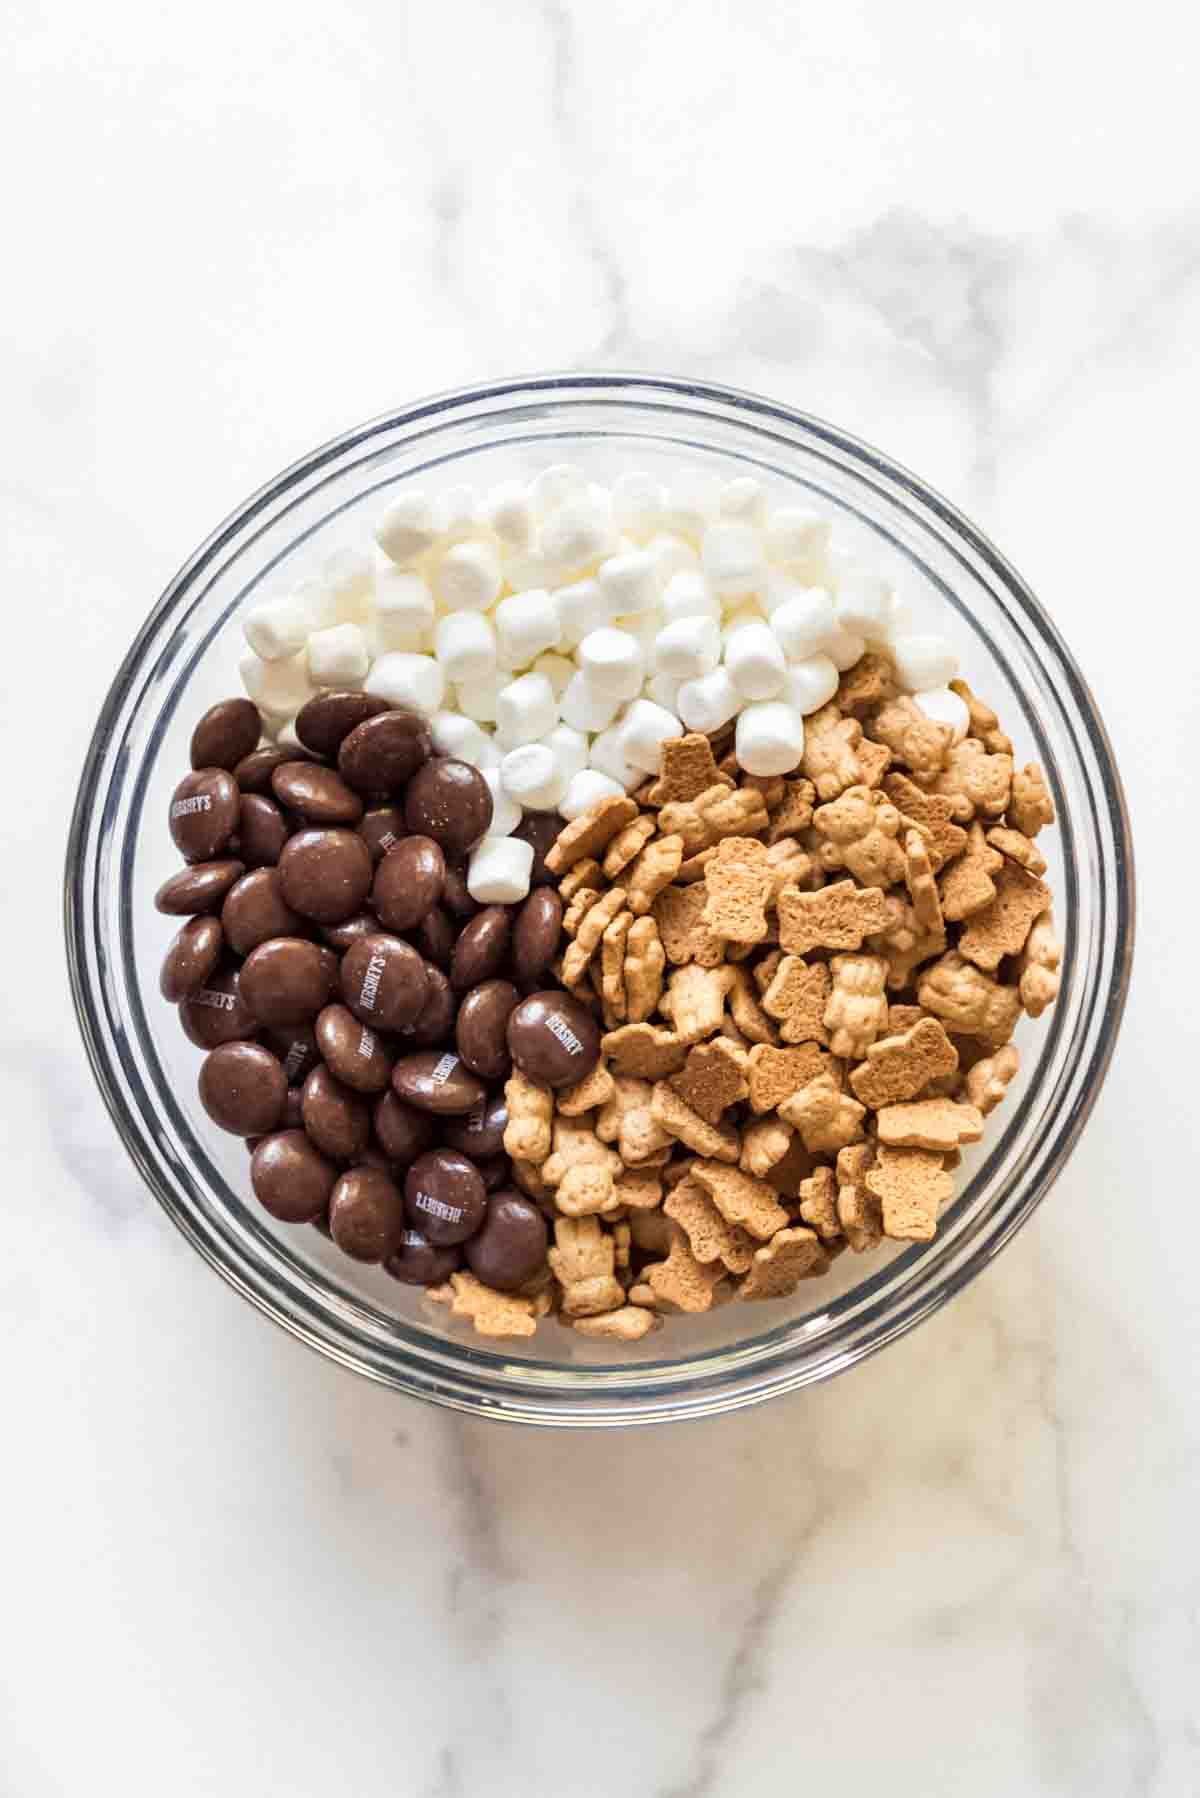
(502, 1393)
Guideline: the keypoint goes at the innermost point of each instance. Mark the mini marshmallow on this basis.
(946, 707)
(508, 511)
(277, 688)
(468, 577)
(737, 620)
(732, 557)
(477, 699)
(688, 595)
(558, 670)
(688, 648)
(405, 679)
(526, 624)
(797, 536)
(581, 608)
(672, 554)
(663, 689)
(506, 813)
(843, 648)
(277, 629)
(525, 568)
(525, 710)
(287, 737)
(613, 662)
(586, 789)
(465, 645)
(606, 756)
(899, 621)
(744, 499)
(531, 775)
(630, 583)
(408, 528)
(756, 662)
(348, 576)
(863, 603)
(644, 628)
(402, 615)
(691, 505)
(488, 756)
(458, 736)
(804, 622)
(569, 747)
(338, 657)
(578, 533)
(459, 513)
(924, 662)
(499, 870)
(643, 731)
(709, 702)
(584, 707)
(318, 601)
(555, 485)
(769, 738)
(637, 505)
(810, 684)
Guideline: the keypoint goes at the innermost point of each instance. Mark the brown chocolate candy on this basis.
(366, 1214)
(510, 1245)
(383, 982)
(541, 831)
(340, 936)
(480, 1034)
(256, 910)
(436, 1022)
(242, 1088)
(191, 959)
(408, 882)
(204, 814)
(262, 831)
(296, 1047)
(536, 933)
(380, 754)
(288, 979)
(455, 895)
(435, 936)
(553, 1038)
(401, 1131)
(326, 721)
(444, 1197)
(226, 734)
(217, 1013)
(337, 1119)
(326, 874)
(381, 829)
(482, 948)
(316, 794)
(449, 801)
(293, 1109)
(437, 1081)
(494, 1171)
(480, 1134)
(199, 889)
(291, 1179)
(253, 775)
(418, 1263)
(355, 1053)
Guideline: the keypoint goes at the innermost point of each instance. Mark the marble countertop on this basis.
(970, 235)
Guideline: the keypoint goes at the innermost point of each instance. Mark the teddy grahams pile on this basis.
(808, 987)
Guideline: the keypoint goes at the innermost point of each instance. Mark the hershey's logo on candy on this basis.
(201, 802)
(370, 985)
(366, 1044)
(565, 1035)
(217, 1001)
(443, 1069)
(294, 1057)
(449, 1214)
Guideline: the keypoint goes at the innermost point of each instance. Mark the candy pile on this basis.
(741, 1023)
(556, 634)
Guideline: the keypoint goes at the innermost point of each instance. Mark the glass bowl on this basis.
(184, 658)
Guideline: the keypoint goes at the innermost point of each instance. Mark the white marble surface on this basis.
(970, 234)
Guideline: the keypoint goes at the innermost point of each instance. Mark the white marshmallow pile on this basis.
(557, 632)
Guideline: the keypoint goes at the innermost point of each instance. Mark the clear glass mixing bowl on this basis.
(185, 657)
